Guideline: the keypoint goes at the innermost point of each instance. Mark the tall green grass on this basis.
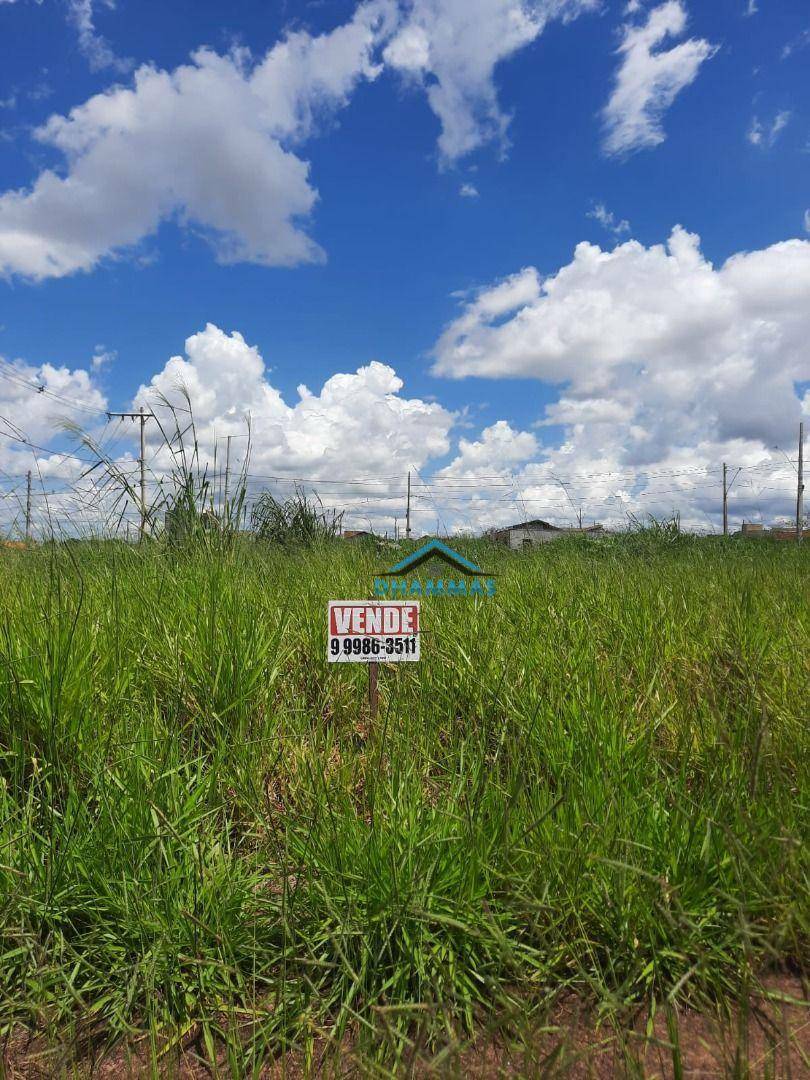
(596, 780)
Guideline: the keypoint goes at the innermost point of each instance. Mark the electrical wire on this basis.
(12, 374)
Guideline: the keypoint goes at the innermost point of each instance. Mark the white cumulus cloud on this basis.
(208, 145)
(357, 425)
(661, 359)
(637, 428)
(650, 78)
(34, 400)
(452, 47)
(500, 447)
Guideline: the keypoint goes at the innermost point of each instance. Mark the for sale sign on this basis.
(362, 631)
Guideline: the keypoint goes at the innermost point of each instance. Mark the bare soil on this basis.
(769, 1039)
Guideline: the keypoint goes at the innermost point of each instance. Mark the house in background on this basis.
(753, 530)
(358, 534)
(531, 533)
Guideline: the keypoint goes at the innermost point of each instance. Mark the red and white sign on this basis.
(362, 631)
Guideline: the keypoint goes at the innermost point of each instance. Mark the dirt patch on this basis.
(769, 1039)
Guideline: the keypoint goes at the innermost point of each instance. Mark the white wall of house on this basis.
(520, 538)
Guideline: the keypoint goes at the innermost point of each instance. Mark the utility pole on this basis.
(726, 489)
(28, 508)
(143, 417)
(227, 470)
(800, 488)
(143, 473)
(725, 499)
(408, 510)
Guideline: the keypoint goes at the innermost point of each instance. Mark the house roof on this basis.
(539, 523)
(535, 523)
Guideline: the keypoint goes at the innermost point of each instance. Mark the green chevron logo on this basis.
(393, 583)
(439, 550)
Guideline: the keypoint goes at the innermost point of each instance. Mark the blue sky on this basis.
(405, 252)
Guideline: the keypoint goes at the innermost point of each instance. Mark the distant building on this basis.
(782, 534)
(753, 530)
(358, 534)
(531, 533)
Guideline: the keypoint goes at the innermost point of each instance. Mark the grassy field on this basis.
(595, 782)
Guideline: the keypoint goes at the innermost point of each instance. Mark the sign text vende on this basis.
(361, 631)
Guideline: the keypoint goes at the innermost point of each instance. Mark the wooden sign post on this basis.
(371, 631)
(373, 690)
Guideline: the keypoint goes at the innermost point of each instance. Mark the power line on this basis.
(57, 453)
(12, 374)
(464, 496)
